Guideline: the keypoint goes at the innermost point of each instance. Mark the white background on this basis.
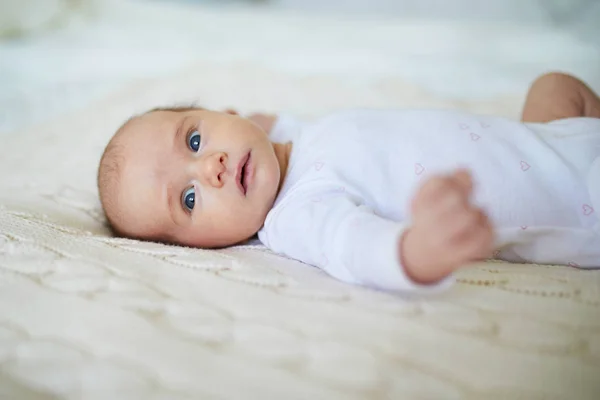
(58, 56)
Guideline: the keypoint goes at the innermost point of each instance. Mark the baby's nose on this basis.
(214, 168)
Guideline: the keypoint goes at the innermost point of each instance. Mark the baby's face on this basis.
(199, 178)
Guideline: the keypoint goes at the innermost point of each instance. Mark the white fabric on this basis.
(117, 43)
(570, 232)
(84, 315)
(27, 16)
(345, 199)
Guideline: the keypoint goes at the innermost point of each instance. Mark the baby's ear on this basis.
(231, 111)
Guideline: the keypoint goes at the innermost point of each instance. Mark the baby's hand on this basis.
(448, 230)
(265, 121)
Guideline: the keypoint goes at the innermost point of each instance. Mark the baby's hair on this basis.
(108, 177)
(190, 107)
(109, 169)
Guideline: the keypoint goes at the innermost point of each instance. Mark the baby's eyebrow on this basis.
(169, 194)
(168, 188)
(179, 131)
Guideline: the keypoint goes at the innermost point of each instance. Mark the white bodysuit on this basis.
(346, 197)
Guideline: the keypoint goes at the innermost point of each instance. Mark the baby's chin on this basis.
(210, 243)
(221, 239)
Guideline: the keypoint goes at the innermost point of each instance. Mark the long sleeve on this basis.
(346, 240)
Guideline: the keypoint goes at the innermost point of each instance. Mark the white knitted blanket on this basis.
(87, 316)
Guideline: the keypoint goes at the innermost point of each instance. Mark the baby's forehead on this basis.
(140, 132)
(162, 120)
(148, 145)
(141, 160)
(147, 122)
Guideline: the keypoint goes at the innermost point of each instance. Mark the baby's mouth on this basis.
(243, 178)
(242, 175)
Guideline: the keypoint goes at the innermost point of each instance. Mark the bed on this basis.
(84, 315)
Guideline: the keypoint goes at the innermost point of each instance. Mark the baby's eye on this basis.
(193, 141)
(188, 198)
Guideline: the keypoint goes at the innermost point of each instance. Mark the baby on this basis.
(391, 199)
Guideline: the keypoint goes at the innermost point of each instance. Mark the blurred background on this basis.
(59, 56)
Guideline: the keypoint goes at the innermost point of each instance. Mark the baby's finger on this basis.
(477, 243)
(483, 245)
(435, 188)
(461, 224)
(427, 191)
(439, 197)
(449, 204)
(464, 179)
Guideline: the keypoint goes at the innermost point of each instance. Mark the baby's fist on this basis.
(447, 231)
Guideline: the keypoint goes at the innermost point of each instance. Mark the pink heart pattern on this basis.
(587, 209)
(524, 166)
(463, 126)
(484, 125)
(523, 227)
(419, 169)
(475, 137)
(318, 166)
(573, 264)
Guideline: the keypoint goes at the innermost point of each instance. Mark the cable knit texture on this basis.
(86, 315)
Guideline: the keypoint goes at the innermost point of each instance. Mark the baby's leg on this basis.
(556, 95)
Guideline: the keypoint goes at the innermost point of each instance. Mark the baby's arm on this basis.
(324, 225)
(447, 230)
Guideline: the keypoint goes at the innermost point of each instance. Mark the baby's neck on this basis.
(282, 152)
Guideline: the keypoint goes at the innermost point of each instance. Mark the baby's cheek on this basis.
(178, 235)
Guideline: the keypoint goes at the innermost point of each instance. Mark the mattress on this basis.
(84, 315)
